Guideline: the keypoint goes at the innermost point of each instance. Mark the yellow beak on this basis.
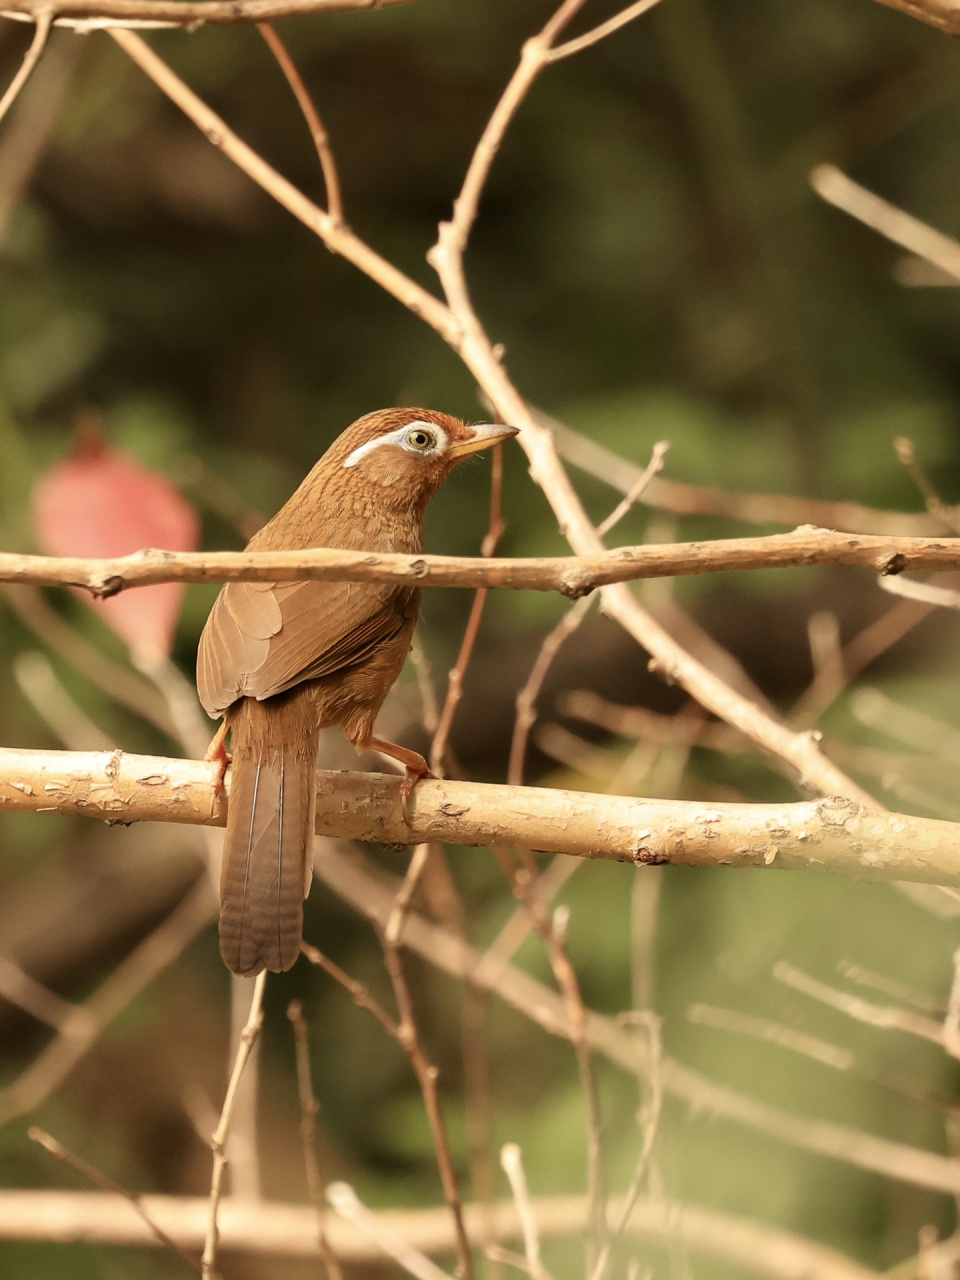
(484, 436)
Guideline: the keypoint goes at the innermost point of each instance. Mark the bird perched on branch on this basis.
(282, 660)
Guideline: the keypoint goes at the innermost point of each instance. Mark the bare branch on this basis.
(309, 1106)
(709, 500)
(321, 140)
(344, 1200)
(832, 832)
(86, 1170)
(570, 575)
(944, 14)
(219, 1139)
(337, 237)
(88, 14)
(832, 185)
(30, 60)
(600, 32)
(288, 1231)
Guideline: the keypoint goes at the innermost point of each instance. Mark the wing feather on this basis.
(258, 643)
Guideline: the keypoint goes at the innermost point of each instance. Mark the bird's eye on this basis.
(420, 439)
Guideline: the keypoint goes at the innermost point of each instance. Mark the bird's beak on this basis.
(484, 435)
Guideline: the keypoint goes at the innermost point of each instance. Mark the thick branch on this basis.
(832, 833)
(175, 13)
(289, 1231)
(571, 575)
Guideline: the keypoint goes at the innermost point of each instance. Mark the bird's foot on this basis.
(217, 754)
(412, 775)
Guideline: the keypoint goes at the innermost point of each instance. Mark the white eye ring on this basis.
(435, 443)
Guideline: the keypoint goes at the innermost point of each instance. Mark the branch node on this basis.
(892, 564)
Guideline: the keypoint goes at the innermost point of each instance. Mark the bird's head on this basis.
(407, 452)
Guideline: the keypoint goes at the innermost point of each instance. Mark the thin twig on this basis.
(309, 1107)
(218, 1141)
(495, 528)
(651, 1128)
(511, 1161)
(87, 1170)
(83, 1026)
(886, 1017)
(637, 489)
(683, 499)
(599, 32)
(367, 893)
(907, 453)
(344, 1200)
(408, 1033)
(832, 185)
(318, 132)
(44, 18)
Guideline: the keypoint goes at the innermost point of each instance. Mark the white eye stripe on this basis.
(397, 438)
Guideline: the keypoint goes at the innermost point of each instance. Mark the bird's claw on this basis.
(217, 754)
(412, 775)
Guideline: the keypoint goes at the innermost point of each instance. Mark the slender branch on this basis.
(408, 1034)
(570, 575)
(321, 139)
(86, 1170)
(309, 1106)
(82, 1027)
(511, 1161)
(600, 32)
(337, 237)
(495, 528)
(86, 14)
(710, 500)
(832, 185)
(30, 60)
(545, 1007)
(345, 1201)
(219, 1139)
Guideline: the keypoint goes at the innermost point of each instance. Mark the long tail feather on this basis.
(270, 821)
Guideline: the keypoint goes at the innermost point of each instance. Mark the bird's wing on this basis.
(263, 638)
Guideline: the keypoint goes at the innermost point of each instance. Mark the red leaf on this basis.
(99, 503)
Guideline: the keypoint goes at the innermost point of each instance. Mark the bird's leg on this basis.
(217, 753)
(414, 764)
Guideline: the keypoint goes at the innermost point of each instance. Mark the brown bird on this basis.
(282, 660)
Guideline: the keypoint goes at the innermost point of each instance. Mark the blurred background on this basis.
(653, 259)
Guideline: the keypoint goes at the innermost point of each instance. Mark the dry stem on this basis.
(833, 833)
(218, 1141)
(309, 1106)
(86, 1170)
(574, 576)
(289, 1231)
(321, 139)
(88, 14)
(30, 60)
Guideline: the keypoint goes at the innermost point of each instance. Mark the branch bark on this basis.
(570, 575)
(289, 1231)
(175, 13)
(829, 834)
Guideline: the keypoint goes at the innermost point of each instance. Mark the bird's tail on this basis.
(266, 867)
